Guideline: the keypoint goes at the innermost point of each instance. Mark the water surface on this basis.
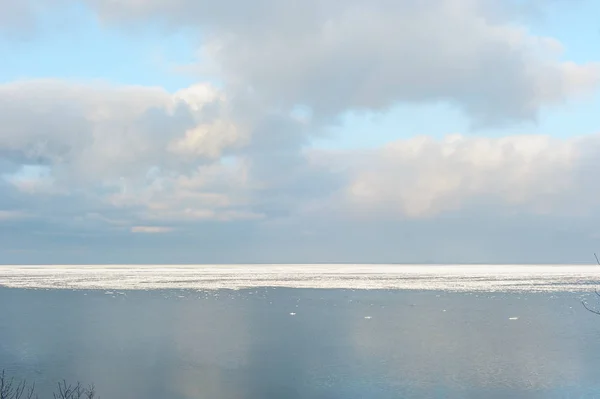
(262, 343)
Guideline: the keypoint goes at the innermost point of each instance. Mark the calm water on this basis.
(339, 344)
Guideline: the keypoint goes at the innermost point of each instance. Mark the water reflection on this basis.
(339, 344)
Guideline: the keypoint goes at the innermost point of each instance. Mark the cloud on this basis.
(21, 19)
(16, 15)
(11, 215)
(207, 140)
(100, 141)
(189, 156)
(101, 132)
(333, 56)
(423, 177)
(227, 169)
(151, 229)
(96, 162)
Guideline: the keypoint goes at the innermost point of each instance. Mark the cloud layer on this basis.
(334, 55)
(229, 165)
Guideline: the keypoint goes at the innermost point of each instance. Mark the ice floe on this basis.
(461, 278)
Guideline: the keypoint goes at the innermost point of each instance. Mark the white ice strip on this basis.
(490, 278)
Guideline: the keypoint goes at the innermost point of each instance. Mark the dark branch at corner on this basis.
(13, 389)
(596, 291)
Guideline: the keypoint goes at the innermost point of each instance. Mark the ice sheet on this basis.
(490, 278)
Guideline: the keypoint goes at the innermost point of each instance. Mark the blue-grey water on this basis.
(303, 343)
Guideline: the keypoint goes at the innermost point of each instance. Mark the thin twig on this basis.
(589, 309)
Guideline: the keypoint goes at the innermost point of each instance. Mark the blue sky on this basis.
(72, 43)
(96, 94)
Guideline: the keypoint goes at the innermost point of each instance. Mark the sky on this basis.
(313, 131)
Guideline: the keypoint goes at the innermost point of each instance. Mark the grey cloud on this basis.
(94, 141)
(470, 236)
(158, 158)
(20, 19)
(91, 132)
(273, 199)
(16, 16)
(333, 56)
(228, 175)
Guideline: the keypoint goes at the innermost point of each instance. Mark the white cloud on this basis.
(208, 140)
(214, 192)
(12, 215)
(151, 229)
(199, 96)
(124, 146)
(93, 131)
(422, 177)
(337, 55)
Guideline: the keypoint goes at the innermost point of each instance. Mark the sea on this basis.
(304, 331)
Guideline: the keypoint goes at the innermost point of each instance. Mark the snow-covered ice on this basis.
(488, 278)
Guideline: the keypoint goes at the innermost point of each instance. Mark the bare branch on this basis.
(595, 290)
(76, 391)
(11, 389)
(589, 309)
(31, 392)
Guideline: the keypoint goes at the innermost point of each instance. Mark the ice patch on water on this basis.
(471, 278)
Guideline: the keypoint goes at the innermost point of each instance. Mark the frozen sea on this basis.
(304, 331)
